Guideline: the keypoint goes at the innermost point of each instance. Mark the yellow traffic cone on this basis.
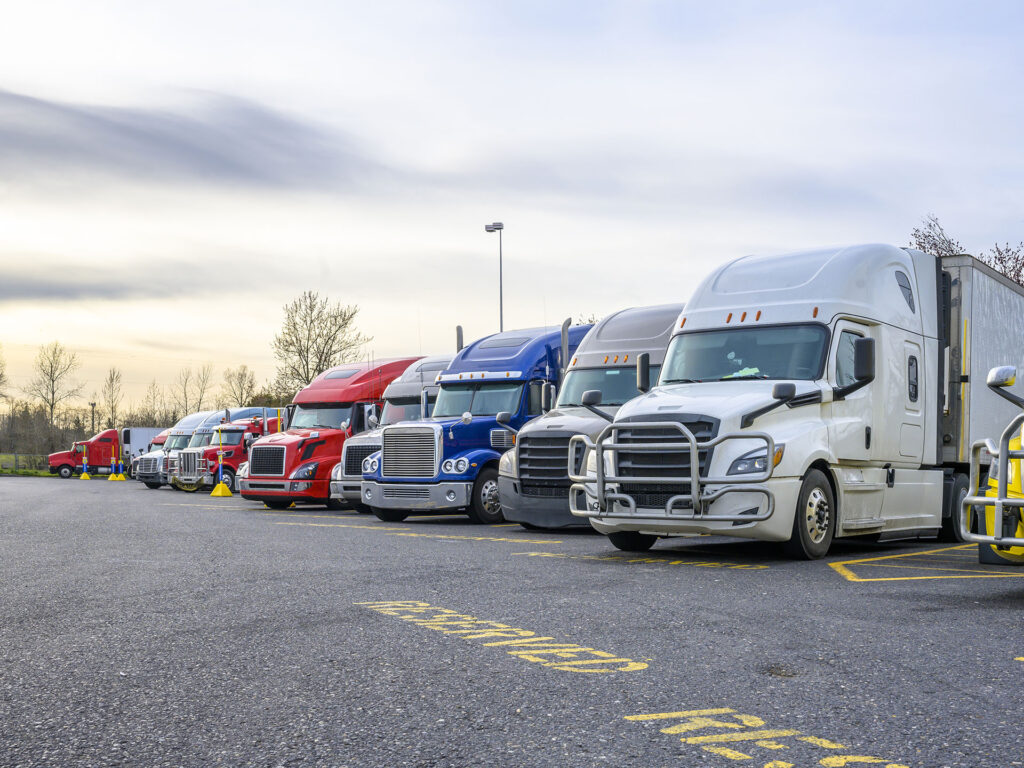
(220, 489)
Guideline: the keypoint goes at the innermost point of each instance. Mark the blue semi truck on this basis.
(449, 462)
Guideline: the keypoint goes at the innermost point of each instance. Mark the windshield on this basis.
(479, 399)
(200, 439)
(226, 438)
(176, 442)
(322, 417)
(617, 385)
(775, 352)
(400, 410)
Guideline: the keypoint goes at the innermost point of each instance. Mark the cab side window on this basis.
(844, 358)
(536, 387)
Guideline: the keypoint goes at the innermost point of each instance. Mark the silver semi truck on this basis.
(810, 396)
(533, 480)
(154, 467)
(410, 397)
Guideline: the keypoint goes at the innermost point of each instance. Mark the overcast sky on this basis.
(171, 174)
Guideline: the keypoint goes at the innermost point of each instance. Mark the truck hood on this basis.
(293, 436)
(723, 400)
(59, 456)
(370, 436)
(575, 419)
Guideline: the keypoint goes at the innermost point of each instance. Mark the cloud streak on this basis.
(218, 140)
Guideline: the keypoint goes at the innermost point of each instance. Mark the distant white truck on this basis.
(136, 441)
(810, 396)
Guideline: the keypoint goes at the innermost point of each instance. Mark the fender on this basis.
(478, 456)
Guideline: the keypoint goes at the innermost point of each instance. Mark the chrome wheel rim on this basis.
(817, 515)
(489, 497)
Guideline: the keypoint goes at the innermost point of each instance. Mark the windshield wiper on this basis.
(682, 381)
(745, 376)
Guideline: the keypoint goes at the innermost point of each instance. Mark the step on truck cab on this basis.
(410, 397)
(92, 455)
(154, 467)
(296, 465)
(450, 461)
(810, 396)
(230, 440)
(156, 444)
(533, 478)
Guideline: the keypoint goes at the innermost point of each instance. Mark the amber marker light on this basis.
(815, 312)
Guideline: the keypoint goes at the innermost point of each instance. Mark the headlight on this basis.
(306, 471)
(461, 465)
(448, 467)
(756, 461)
(337, 471)
(369, 466)
(507, 464)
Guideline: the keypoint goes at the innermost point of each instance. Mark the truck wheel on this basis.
(951, 525)
(66, 471)
(632, 541)
(278, 503)
(389, 515)
(486, 506)
(229, 479)
(154, 486)
(362, 509)
(814, 522)
(335, 504)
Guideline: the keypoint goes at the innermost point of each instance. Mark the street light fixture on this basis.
(497, 227)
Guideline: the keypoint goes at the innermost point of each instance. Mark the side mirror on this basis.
(503, 417)
(467, 418)
(372, 420)
(547, 392)
(643, 372)
(424, 403)
(590, 400)
(1001, 377)
(784, 391)
(864, 359)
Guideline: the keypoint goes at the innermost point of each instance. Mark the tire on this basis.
(389, 515)
(485, 508)
(154, 486)
(66, 471)
(229, 479)
(335, 504)
(814, 520)
(632, 541)
(363, 509)
(278, 503)
(951, 525)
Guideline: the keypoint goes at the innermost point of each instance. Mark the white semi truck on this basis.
(809, 396)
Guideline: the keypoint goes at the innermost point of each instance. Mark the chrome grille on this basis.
(354, 455)
(398, 492)
(266, 460)
(409, 452)
(543, 464)
(502, 439)
(188, 463)
(148, 466)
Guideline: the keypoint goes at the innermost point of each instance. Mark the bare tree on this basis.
(4, 381)
(239, 386)
(202, 385)
(586, 319)
(315, 336)
(52, 383)
(931, 238)
(112, 396)
(182, 392)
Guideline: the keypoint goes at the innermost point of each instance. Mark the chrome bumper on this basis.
(603, 498)
(417, 495)
(348, 488)
(1008, 511)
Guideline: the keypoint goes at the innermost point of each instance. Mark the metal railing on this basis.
(1004, 519)
(692, 505)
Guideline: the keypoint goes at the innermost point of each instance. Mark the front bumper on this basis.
(542, 511)
(348, 488)
(151, 477)
(261, 489)
(417, 496)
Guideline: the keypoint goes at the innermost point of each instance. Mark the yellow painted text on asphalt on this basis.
(731, 735)
(522, 643)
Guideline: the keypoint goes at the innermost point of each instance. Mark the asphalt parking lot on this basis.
(143, 627)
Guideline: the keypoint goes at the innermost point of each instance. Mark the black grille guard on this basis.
(682, 506)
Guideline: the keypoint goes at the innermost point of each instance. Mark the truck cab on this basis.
(237, 429)
(805, 397)
(449, 462)
(93, 455)
(154, 467)
(410, 397)
(155, 444)
(296, 465)
(533, 477)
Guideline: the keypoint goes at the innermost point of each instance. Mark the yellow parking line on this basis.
(844, 570)
(404, 531)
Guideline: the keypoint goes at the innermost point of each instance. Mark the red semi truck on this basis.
(97, 451)
(295, 465)
(198, 466)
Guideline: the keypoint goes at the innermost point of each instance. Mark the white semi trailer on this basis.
(810, 396)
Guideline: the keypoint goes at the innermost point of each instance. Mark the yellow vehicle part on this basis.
(1014, 490)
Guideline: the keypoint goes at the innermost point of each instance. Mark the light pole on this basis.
(93, 406)
(497, 227)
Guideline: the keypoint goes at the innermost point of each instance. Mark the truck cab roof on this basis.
(621, 336)
(421, 375)
(530, 353)
(354, 381)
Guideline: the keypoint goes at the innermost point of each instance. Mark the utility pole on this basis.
(93, 406)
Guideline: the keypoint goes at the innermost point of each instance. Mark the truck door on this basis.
(850, 425)
(912, 427)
